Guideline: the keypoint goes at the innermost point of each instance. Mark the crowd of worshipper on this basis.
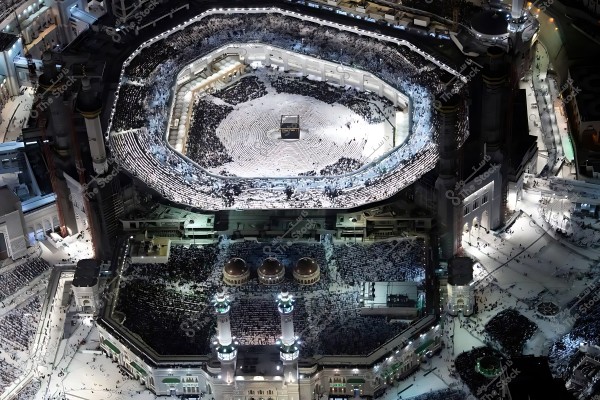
(20, 275)
(17, 329)
(511, 330)
(8, 374)
(336, 326)
(444, 394)
(144, 153)
(206, 149)
(30, 390)
(362, 103)
(341, 166)
(130, 111)
(389, 261)
(186, 265)
(160, 312)
(245, 89)
(203, 145)
(586, 329)
(256, 320)
(169, 305)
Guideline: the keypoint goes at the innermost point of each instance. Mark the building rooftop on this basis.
(86, 273)
(460, 271)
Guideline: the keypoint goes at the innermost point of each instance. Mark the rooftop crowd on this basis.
(17, 329)
(178, 318)
(19, 276)
(511, 330)
(398, 260)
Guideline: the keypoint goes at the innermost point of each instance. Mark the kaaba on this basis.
(290, 127)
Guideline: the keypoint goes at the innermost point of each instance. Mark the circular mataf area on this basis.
(328, 132)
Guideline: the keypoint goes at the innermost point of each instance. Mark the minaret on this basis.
(517, 9)
(52, 84)
(54, 87)
(225, 345)
(493, 103)
(448, 191)
(288, 344)
(89, 106)
(495, 109)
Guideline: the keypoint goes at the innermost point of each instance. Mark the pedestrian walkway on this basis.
(547, 118)
(14, 115)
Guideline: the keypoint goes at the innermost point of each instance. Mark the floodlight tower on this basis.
(225, 345)
(288, 344)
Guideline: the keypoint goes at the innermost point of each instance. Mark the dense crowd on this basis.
(203, 145)
(245, 89)
(511, 330)
(207, 149)
(17, 329)
(586, 329)
(256, 321)
(145, 155)
(336, 326)
(130, 110)
(342, 166)
(21, 275)
(159, 312)
(169, 306)
(8, 373)
(362, 103)
(390, 261)
(29, 391)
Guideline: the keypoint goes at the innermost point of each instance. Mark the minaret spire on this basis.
(288, 344)
(226, 346)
